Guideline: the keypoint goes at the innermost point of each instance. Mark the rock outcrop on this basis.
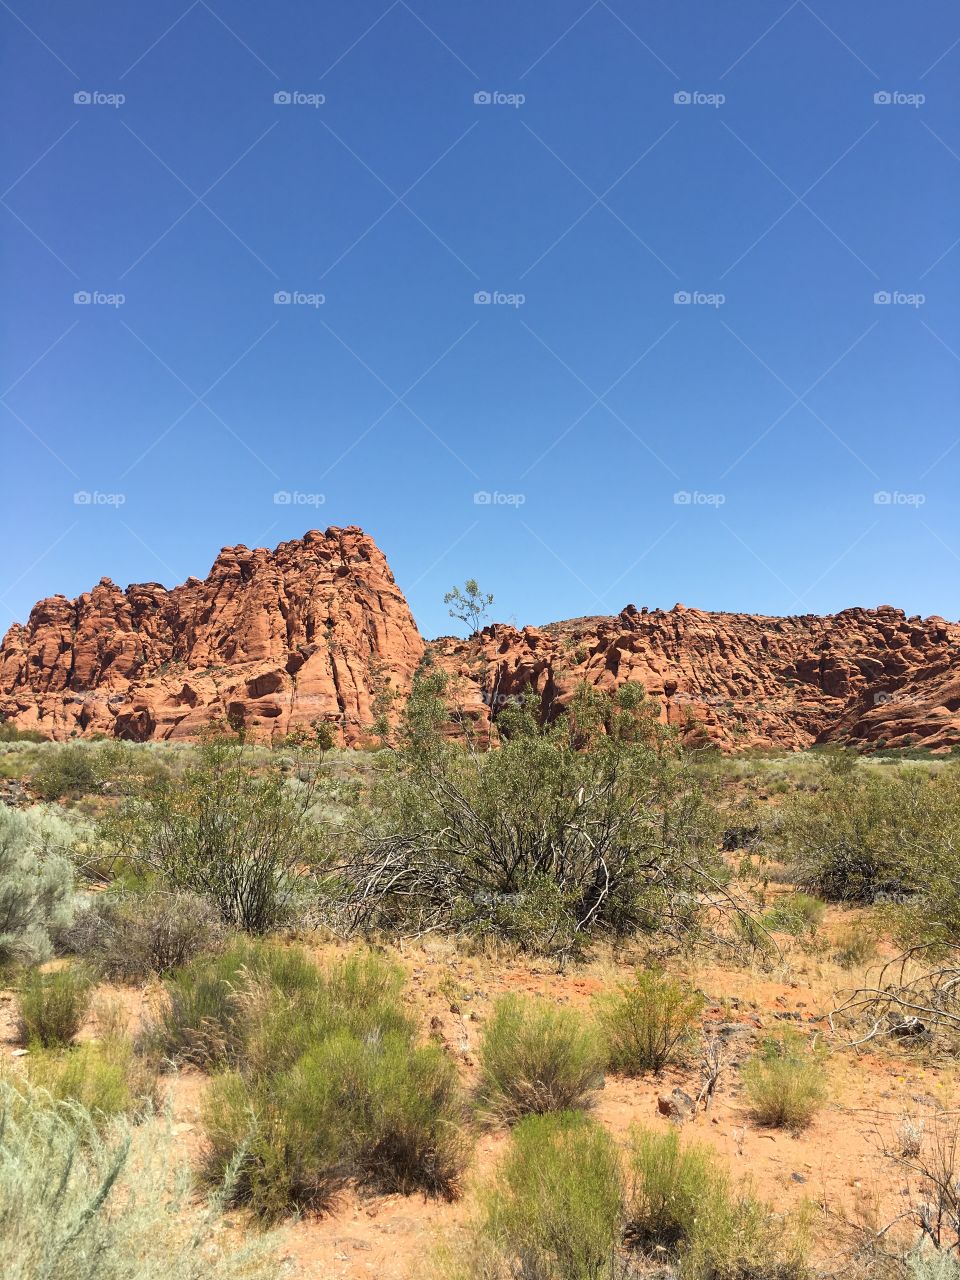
(318, 629)
(315, 629)
(863, 675)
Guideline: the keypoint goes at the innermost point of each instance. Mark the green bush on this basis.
(536, 1058)
(647, 1023)
(51, 1007)
(230, 828)
(597, 821)
(70, 771)
(795, 913)
(868, 836)
(106, 1077)
(786, 1081)
(133, 936)
(36, 883)
(554, 1210)
(329, 1084)
(85, 1204)
(680, 1201)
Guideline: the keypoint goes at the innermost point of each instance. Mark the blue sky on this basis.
(625, 154)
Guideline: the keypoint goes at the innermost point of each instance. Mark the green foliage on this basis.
(10, 733)
(69, 771)
(648, 1022)
(80, 1203)
(786, 1081)
(131, 936)
(328, 1083)
(228, 829)
(51, 1007)
(554, 1210)
(795, 913)
(535, 1057)
(36, 882)
(681, 1201)
(469, 606)
(595, 822)
(105, 1076)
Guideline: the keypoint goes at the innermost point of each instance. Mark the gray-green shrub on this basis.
(36, 883)
(786, 1081)
(80, 1202)
(132, 936)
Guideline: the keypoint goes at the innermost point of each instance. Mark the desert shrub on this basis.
(329, 1084)
(51, 1007)
(856, 944)
(786, 1081)
(106, 1077)
(681, 1203)
(536, 1058)
(795, 913)
(36, 883)
(69, 771)
(596, 821)
(647, 1022)
(130, 936)
(81, 1202)
(230, 828)
(868, 836)
(379, 1110)
(554, 1211)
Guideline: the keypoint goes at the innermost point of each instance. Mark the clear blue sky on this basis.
(782, 411)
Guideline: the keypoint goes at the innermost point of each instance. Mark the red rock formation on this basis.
(318, 627)
(867, 675)
(278, 638)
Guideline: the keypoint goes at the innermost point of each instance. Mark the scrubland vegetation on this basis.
(522, 981)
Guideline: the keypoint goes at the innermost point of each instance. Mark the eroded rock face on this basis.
(870, 675)
(278, 638)
(318, 627)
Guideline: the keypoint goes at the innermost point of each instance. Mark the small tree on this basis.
(235, 833)
(469, 606)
